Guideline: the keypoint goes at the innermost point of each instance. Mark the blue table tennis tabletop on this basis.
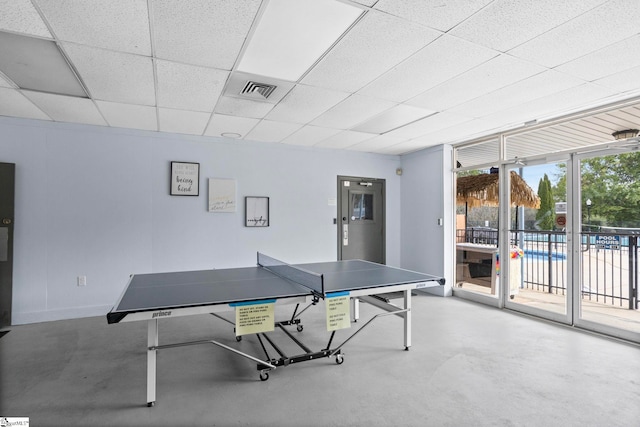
(154, 296)
(163, 291)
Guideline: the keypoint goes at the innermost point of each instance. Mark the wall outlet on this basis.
(82, 280)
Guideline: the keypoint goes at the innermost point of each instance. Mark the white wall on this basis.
(427, 196)
(95, 201)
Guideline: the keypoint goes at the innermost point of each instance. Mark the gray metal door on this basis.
(361, 219)
(7, 189)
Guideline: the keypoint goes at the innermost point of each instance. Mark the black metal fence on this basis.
(609, 262)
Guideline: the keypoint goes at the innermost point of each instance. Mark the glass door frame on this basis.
(505, 243)
(576, 267)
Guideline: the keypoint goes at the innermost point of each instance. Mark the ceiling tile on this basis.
(393, 118)
(269, 131)
(606, 61)
(37, 64)
(305, 103)
(366, 2)
(5, 82)
(405, 147)
(117, 25)
(352, 111)
(13, 103)
(310, 135)
(433, 13)
(21, 17)
(221, 123)
(625, 81)
(429, 124)
(67, 108)
(538, 86)
(374, 45)
(344, 139)
(587, 33)
(188, 87)
(554, 105)
(291, 35)
(518, 21)
(242, 107)
(181, 121)
(494, 74)
(441, 60)
(128, 115)
(375, 144)
(459, 133)
(129, 78)
(211, 32)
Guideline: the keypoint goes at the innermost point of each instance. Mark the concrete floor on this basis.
(470, 365)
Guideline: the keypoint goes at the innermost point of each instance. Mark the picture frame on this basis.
(256, 211)
(184, 179)
(222, 195)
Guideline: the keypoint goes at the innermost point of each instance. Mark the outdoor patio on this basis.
(592, 311)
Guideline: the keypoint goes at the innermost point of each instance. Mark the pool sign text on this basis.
(607, 242)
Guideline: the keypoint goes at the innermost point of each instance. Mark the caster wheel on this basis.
(300, 328)
(339, 359)
(264, 376)
(150, 404)
(239, 338)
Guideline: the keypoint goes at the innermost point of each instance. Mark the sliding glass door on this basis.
(609, 198)
(538, 276)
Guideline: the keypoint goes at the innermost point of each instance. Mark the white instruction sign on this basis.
(338, 311)
(254, 317)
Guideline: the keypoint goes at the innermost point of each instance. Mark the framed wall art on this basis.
(185, 179)
(256, 211)
(222, 195)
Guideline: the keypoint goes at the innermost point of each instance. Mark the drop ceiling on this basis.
(401, 76)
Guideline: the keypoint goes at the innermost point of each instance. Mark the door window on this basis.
(362, 207)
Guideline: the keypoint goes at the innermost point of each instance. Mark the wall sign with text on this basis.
(222, 195)
(256, 211)
(185, 179)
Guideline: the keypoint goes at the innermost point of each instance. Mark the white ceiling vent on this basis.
(251, 87)
(256, 90)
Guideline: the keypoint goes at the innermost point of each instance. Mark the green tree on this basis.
(545, 216)
(613, 185)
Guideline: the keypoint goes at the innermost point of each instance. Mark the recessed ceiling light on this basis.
(231, 135)
(292, 35)
(37, 64)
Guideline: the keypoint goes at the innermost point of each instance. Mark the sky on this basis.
(533, 174)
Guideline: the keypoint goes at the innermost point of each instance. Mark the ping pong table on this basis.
(156, 296)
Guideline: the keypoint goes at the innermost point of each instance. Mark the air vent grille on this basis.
(257, 90)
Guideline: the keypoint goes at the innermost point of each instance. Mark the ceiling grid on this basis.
(392, 78)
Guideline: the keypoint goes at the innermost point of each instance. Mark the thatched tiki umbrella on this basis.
(483, 190)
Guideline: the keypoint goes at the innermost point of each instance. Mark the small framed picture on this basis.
(185, 179)
(256, 211)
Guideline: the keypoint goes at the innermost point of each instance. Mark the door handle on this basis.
(6, 221)
(345, 234)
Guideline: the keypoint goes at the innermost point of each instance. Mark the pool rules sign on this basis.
(254, 317)
(338, 311)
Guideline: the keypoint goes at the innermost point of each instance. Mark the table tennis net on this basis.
(309, 279)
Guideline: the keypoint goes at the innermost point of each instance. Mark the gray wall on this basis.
(94, 201)
(427, 196)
